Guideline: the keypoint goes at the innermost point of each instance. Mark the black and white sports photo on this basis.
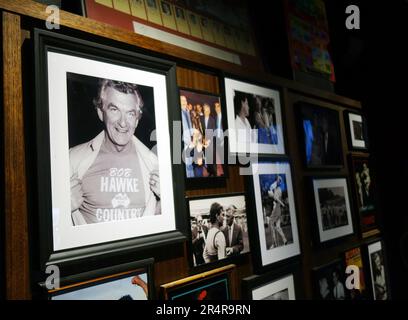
(332, 207)
(218, 228)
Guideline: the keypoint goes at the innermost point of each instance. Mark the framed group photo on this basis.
(333, 213)
(103, 137)
(203, 123)
(130, 281)
(319, 130)
(211, 285)
(219, 229)
(329, 281)
(356, 131)
(254, 116)
(274, 223)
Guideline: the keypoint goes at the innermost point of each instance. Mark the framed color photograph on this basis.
(210, 285)
(254, 118)
(274, 285)
(364, 192)
(203, 123)
(274, 229)
(357, 131)
(103, 135)
(332, 207)
(353, 257)
(329, 281)
(378, 271)
(130, 281)
(218, 228)
(319, 129)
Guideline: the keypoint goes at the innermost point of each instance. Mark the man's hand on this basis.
(229, 251)
(155, 182)
(136, 280)
(76, 193)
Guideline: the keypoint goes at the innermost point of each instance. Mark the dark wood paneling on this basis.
(17, 256)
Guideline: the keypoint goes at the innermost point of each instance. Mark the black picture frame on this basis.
(357, 131)
(288, 278)
(46, 42)
(267, 91)
(79, 286)
(320, 122)
(322, 235)
(269, 251)
(218, 140)
(373, 247)
(236, 258)
(365, 194)
(218, 284)
(323, 281)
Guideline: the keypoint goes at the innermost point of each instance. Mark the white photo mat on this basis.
(283, 252)
(65, 235)
(334, 233)
(236, 146)
(374, 247)
(266, 290)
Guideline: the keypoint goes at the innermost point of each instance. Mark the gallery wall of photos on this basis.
(284, 226)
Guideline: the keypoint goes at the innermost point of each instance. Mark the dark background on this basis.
(371, 66)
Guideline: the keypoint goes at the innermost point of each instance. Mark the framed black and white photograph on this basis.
(357, 131)
(378, 271)
(364, 192)
(274, 229)
(254, 116)
(219, 228)
(270, 286)
(329, 281)
(130, 281)
(332, 208)
(319, 130)
(105, 171)
(210, 285)
(203, 125)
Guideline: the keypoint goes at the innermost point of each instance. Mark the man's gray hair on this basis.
(124, 87)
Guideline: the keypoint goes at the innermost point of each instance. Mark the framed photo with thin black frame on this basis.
(379, 277)
(273, 226)
(129, 281)
(254, 113)
(357, 134)
(219, 229)
(364, 187)
(329, 281)
(104, 126)
(333, 216)
(215, 284)
(320, 136)
(283, 284)
(203, 120)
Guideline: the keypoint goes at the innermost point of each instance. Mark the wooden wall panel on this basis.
(17, 252)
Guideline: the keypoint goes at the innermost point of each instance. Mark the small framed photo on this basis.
(332, 208)
(354, 257)
(274, 226)
(218, 228)
(210, 285)
(254, 118)
(319, 130)
(275, 285)
(356, 130)
(329, 281)
(104, 150)
(363, 180)
(203, 125)
(378, 271)
(130, 281)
